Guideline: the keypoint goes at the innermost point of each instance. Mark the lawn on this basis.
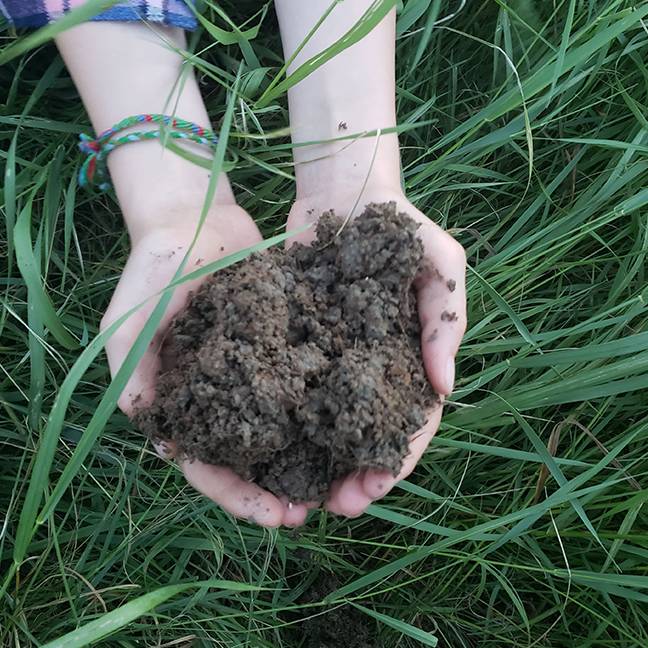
(525, 134)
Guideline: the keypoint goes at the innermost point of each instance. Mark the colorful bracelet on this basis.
(94, 169)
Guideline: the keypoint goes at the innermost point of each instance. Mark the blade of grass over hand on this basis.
(108, 403)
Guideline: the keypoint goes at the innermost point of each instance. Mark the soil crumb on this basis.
(297, 367)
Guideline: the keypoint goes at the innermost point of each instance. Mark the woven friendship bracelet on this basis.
(94, 169)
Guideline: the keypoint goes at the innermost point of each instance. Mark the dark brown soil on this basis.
(340, 626)
(298, 367)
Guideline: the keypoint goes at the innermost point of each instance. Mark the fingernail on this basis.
(450, 375)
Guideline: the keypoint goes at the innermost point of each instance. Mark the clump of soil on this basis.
(297, 367)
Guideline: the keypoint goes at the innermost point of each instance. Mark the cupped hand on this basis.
(154, 259)
(442, 312)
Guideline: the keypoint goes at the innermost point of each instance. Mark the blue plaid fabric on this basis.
(36, 13)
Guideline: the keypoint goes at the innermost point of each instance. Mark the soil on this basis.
(343, 626)
(331, 627)
(297, 367)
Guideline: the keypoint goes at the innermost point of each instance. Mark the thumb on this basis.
(139, 391)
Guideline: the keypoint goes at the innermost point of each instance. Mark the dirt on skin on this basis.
(297, 367)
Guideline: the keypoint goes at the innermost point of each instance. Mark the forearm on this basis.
(354, 92)
(125, 69)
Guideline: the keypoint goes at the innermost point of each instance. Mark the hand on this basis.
(442, 312)
(153, 261)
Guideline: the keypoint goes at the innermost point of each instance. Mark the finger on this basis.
(377, 483)
(139, 391)
(347, 497)
(441, 306)
(295, 515)
(242, 499)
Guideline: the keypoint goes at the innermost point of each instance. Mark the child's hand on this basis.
(442, 311)
(153, 261)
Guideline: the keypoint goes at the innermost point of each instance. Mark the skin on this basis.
(124, 69)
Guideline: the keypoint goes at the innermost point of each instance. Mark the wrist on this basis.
(345, 167)
(173, 201)
(125, 69)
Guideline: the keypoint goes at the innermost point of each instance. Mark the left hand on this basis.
(442, 312)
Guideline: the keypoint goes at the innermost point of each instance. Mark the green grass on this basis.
(525, 133)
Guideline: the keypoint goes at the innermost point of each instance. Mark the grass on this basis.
(525, 133)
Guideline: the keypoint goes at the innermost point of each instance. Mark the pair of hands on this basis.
(154, 259)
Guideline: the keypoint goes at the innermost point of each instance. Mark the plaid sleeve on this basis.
(36, 13)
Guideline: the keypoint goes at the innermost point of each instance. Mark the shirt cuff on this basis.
(36, 13)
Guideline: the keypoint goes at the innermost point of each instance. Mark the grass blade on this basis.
(10, 200)
(423, 637)
(30, 272)
(119, 618)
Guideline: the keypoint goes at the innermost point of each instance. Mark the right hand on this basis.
(154, 259)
